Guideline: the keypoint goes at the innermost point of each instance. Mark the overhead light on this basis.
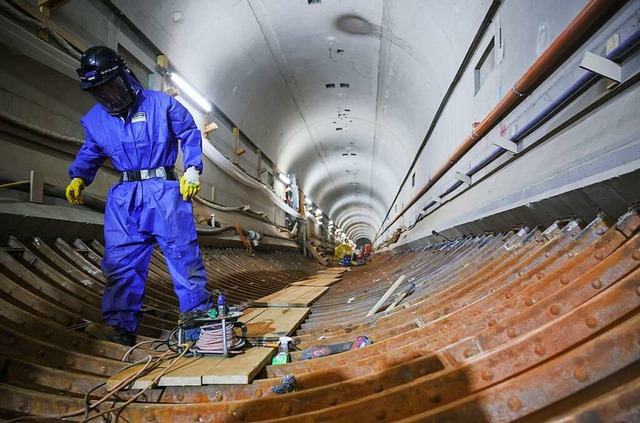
(318, 211)
(308, 201)
(331, 222)
(191, 92)
(285, 180)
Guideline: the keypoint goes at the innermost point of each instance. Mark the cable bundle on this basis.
(210, 341)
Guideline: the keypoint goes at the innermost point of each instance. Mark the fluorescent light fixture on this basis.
(285, 180)
(308, 201)
(191, 92)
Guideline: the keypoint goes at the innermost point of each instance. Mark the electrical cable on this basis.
(211, 339)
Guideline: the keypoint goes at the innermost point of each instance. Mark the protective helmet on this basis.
(102, 74)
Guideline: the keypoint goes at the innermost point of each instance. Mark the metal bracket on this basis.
(602, 66)
(506, 144)
(463, 177)
(437, 199)
(36, 187)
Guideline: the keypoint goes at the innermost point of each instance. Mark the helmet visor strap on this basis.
(113, 95)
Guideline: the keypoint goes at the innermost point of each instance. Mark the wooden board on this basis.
(239, 369)
(294, 296)
(273, 322)
(316, 282)
(333, 270)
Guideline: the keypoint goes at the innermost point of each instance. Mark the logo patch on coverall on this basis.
(138, 117)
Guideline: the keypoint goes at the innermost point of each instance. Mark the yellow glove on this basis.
(74, 189)
(189, 183)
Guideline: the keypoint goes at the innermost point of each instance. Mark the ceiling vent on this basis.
(329, 85)
(344, 85)
(314, 1)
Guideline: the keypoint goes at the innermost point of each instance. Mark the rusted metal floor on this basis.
(534, 325)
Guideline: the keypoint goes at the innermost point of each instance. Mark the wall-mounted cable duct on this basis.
(582, 26)
(564, 99)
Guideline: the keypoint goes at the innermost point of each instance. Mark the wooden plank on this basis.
(190, 374)
(294, 296)
(143, 381)
(240, 369)
(316, 282)
(273, 322)
(196, 371)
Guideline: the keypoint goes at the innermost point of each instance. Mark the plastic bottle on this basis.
(222, 306)
(283, 352)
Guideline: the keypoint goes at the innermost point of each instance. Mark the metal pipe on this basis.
(582, 26)
(588, 79)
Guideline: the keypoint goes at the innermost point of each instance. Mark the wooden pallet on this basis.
(272, 322)
(294, 296)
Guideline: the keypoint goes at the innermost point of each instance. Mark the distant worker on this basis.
(139, 130)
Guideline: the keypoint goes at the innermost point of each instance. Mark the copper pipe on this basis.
(581, 27)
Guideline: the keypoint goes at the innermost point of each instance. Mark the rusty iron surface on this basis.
(539, 324)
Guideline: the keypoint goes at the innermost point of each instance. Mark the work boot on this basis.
(110, 333)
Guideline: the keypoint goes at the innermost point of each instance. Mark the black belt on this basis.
(162, 172)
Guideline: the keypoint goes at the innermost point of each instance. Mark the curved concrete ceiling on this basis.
(341, 93)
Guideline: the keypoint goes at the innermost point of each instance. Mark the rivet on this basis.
(511, 333)
(150, 418)
(71, 362)
(180, 397)
(381, 414)
(638, 290)
(597, 284)
(581, 374)
(377, 388)
(636, 255)
(103, 370)
(333, 400)
(570, 254)
(514, 403)
(554, 309)
(258, 393)
(67, 386)
(600, 231)
(520, 273)
(492, 322)
(487, 375)
(591, 322)
(102, 351)
(286, 409)
(218, 397)
(599, 255)
(540, 350)
(239, 414)
(468, 353)
(508, 295)
(565, 280)
(434, 397)
(574, 234)
(22, 406)
(41, 352)
(63, 409)
(540, 275)
(546, 254)
(529, 302)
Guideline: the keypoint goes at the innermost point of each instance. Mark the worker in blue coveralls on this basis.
(139, 130)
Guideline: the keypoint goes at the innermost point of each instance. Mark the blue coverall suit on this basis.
(140, 213)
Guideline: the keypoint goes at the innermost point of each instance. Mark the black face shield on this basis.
(114, 95)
